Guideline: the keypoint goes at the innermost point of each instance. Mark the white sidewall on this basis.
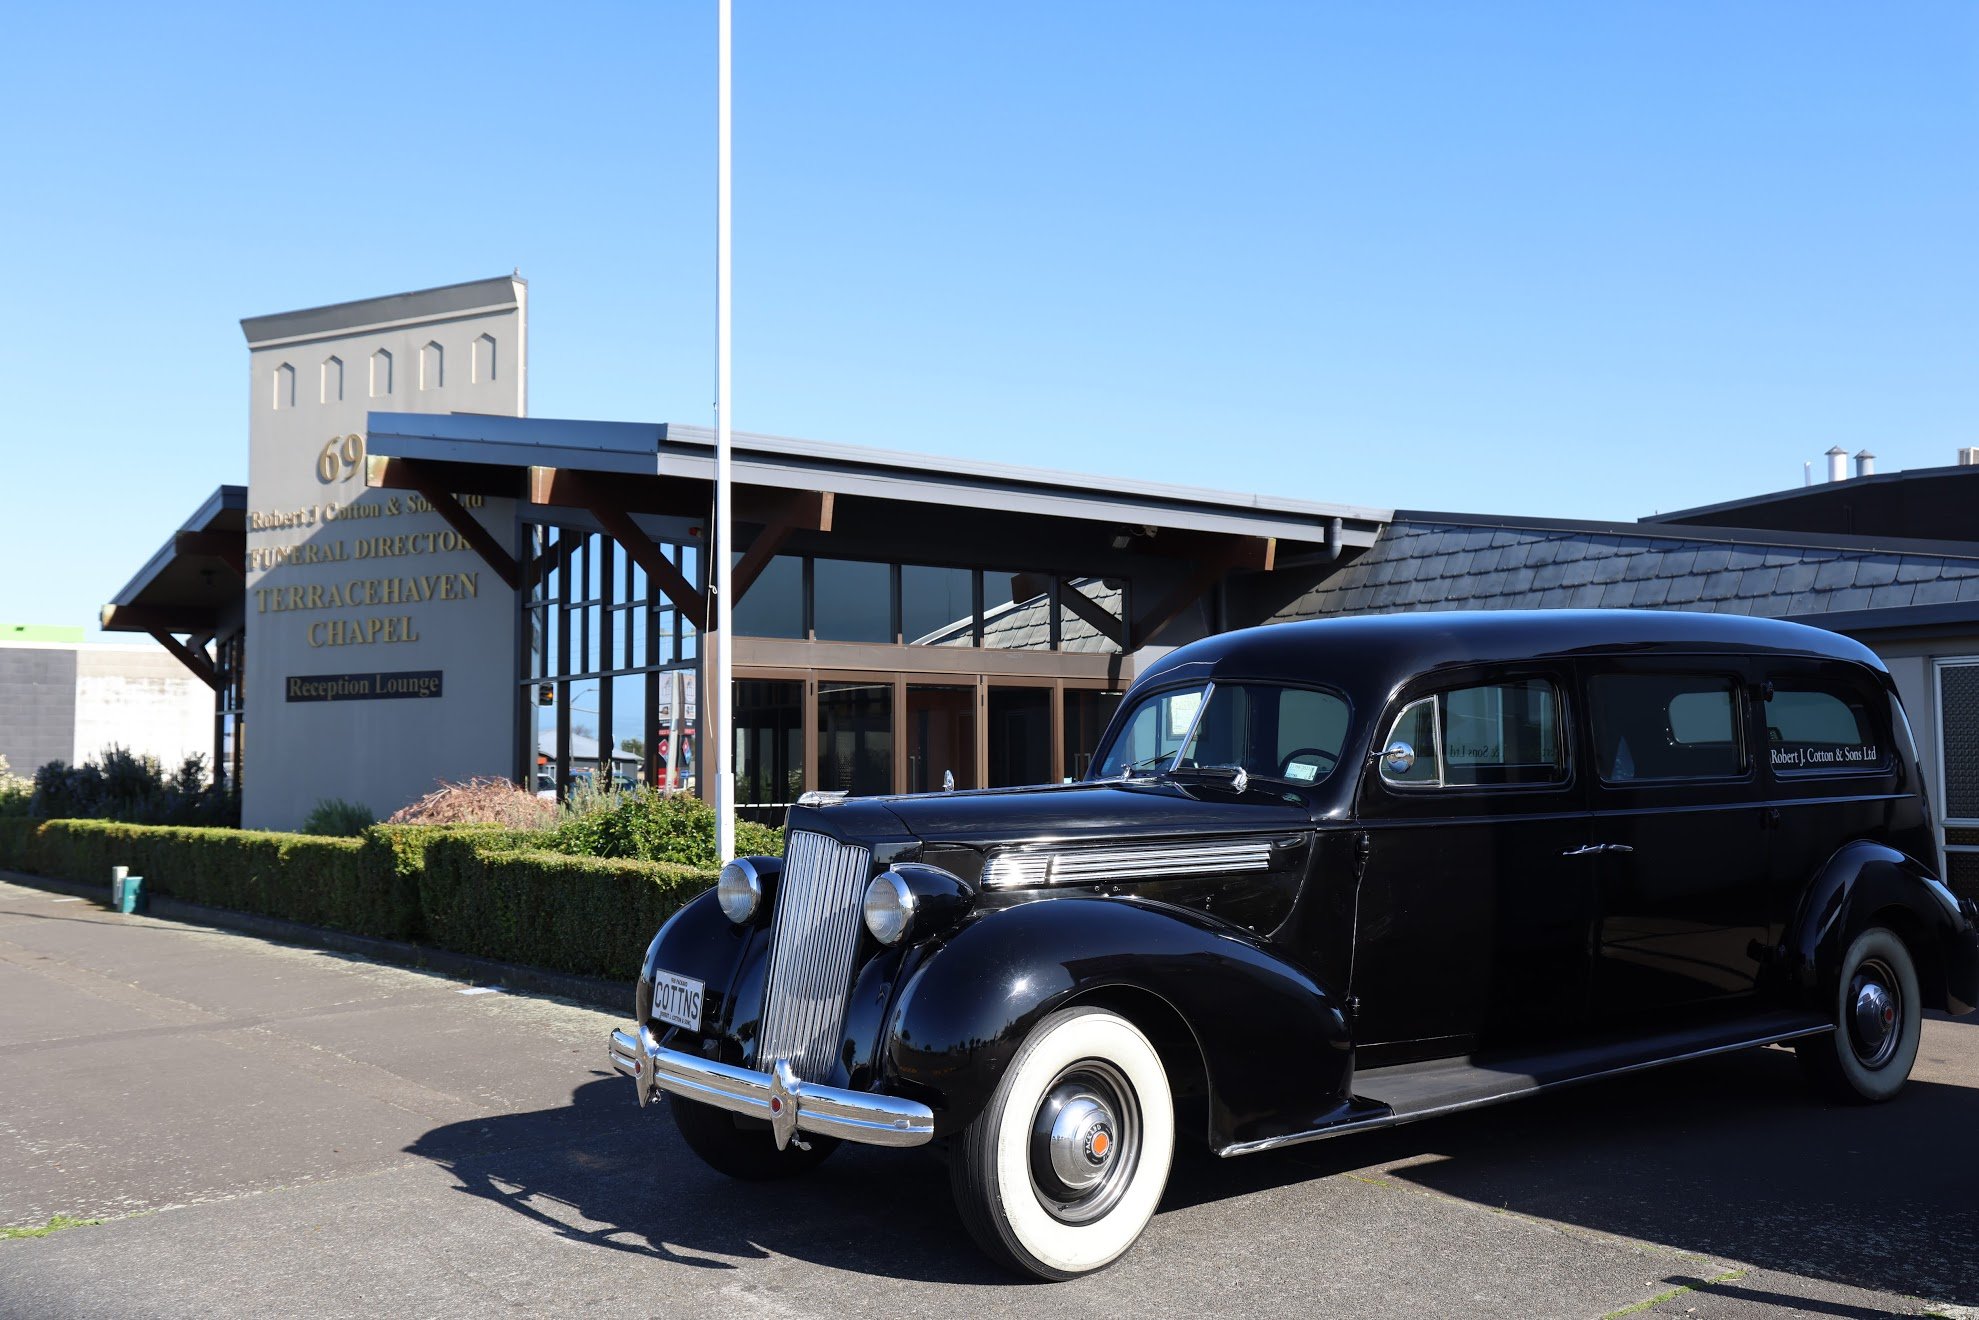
(1078, 1248)
(1886, 1081)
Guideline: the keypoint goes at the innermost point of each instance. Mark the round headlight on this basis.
(889, 908)
(739, 891)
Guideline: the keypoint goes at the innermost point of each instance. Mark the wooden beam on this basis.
(385, 473)
(761, 551)
(681, 497)
(660, 570)
(230, 548)
(201, 667)
(144, 618)
(805, 511)
(421, 479)
(1106, 625)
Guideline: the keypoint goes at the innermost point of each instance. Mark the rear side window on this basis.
(1813, 728)
(1494, 733)
(1665, 726)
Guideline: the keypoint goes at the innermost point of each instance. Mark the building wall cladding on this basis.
(143, 700)
(37, 705)
(1422, 564)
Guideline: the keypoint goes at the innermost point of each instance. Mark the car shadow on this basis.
(1728, 1158)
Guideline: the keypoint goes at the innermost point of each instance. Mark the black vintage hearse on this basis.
(1324, 877)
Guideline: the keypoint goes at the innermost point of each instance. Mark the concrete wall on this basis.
(69, 701)
(345, 581)
(144, 699)
(37, 704)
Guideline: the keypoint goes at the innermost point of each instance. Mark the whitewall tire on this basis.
(1063, 1169)
(1878, 1021)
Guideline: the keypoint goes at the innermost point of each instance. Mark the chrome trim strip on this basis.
(1071, 866)
(1396, 1120)
(829, 1111)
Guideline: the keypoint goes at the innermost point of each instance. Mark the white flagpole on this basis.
(723, 695)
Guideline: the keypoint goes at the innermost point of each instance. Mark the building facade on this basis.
(66, 699)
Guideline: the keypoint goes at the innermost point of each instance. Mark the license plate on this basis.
(677, 999)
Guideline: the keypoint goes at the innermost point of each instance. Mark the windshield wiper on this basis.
(1145, 763)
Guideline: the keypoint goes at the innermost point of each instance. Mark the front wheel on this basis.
(1867, 1058)
(1061, 1172)
(741, 1148)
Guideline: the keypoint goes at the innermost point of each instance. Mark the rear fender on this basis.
(1867, 884)
(1273, 1045)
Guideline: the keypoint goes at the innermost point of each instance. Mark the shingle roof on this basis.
(1025, 625)
(1423, 564)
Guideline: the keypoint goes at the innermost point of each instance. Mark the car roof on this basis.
(1385, 649)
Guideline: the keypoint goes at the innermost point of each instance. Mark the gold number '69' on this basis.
(340, 459)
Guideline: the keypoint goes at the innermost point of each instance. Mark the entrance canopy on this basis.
(192, 585)
(1174, 543)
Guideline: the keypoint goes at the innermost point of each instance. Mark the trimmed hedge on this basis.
(478, 890)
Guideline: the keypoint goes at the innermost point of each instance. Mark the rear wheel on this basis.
(1867, 1058)
(1063, 1169)
(741, 1148)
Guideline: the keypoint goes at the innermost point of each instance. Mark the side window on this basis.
(1490, 734)
(1665, 726)
(1812, 727)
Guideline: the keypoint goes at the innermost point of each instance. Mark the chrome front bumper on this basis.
(777, 1097)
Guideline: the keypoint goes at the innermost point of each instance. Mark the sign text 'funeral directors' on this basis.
(363, 687)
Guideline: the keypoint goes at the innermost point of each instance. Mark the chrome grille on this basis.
(817, 934)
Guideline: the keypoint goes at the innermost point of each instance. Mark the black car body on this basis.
(1392, 867)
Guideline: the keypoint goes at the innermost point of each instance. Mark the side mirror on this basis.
(1400, 758)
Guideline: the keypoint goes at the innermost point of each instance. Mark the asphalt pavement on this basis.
(279, 1131)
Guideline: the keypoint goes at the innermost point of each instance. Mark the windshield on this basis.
(1285, 733)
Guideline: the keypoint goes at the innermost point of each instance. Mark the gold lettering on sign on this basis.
(367, 591)
(362, 632)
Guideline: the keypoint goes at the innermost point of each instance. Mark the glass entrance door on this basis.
(1019, 736)
(941, 737)
(855, 737)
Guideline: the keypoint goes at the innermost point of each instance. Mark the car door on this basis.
(1475, 911)
(1679, 833)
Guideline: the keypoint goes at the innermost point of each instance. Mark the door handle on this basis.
(1590, 849)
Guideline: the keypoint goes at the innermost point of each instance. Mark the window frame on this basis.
(1117, 724)
(1734, 670)
(1805, 678)
(1565, 732)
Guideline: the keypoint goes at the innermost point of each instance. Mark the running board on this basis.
(1385, 1097)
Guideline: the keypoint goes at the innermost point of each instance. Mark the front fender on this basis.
(1274, 1044)
(1869, 883)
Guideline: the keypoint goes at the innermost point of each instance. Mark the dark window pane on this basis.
(854, 601)
(1086, 715)
(1812, 729)
(1019, 736)
(941, 737)
(1958, 707)
(774, 606)
(855, 738)
(1665, 726)
(769, 745)
(937, 606)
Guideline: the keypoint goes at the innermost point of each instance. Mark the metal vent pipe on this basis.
(1838, 464)
(1865, 464)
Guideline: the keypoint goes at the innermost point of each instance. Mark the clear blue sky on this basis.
(1575, 260)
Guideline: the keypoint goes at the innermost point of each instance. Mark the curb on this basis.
(590, 991)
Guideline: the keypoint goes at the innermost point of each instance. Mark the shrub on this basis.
(16, 791)
(656, 827)
(120, 785)
(322, 881)
(335, 816)
(485, 801)
(590, 915)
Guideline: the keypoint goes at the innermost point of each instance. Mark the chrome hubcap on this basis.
(1875, 1013)
(1085, 1139)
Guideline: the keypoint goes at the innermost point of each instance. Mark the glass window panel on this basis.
(583, 751)
(1019, 736)
(640, 589)
(1100, 602)
(1086, 716)
(769, 747)
(1665, 726)
(544, 720)
(1415, 727)
(774, 605)
(937, 606)
(1811, 728)
(631, 730)
(941, 738)
(1010, 624)
(534, 619)
(594, 562)
(855, 738)
(673, 724)
(638, 636)
(852, 601)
